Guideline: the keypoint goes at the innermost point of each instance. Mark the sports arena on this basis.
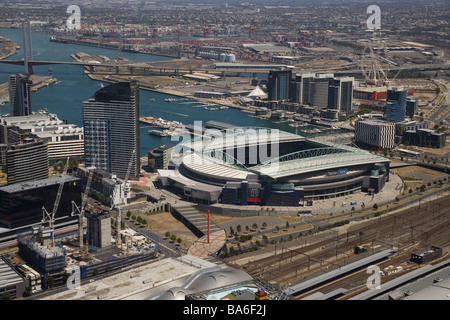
(262, 166)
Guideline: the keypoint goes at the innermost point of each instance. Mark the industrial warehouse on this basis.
(267, 167)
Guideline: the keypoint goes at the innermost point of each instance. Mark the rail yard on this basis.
(400, 232)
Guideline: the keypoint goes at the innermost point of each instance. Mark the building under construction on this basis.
(49, 260)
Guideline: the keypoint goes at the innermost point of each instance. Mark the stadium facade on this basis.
(269, 167)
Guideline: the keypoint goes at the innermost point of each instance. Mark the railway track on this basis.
(428, 224)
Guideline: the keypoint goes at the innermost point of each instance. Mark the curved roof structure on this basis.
(210, 156)
(203, 280)
(316, 160)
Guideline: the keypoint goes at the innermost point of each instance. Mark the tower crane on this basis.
(80, 211)
(126, 192)
(51, 216)
(205, 30)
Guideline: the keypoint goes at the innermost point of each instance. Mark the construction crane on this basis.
(126, 192)
(205, 30)
(80, 211)
(51, 216)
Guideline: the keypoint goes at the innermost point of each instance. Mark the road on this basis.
(442, 110)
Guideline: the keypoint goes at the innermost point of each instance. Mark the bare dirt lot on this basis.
(163, 222)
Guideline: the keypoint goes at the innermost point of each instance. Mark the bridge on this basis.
(134, 68)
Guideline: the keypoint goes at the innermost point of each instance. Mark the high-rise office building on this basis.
(320, 90)
(396, 104)
(20, 95)
(279, 85)
(301, 91)
(27, 161)
(24, 154)
(111, 129)
(340, 94)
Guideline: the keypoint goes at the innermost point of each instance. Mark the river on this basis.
(66, 97)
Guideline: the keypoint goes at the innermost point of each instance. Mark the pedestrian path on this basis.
(204, 245)
(202, 248)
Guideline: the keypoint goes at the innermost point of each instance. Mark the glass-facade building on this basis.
(111, 129)
(396, 104)
(20, 95)
(279, 84)
(21, 203)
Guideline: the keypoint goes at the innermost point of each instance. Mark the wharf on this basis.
(161, 123)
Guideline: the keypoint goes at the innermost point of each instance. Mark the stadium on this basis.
(269, 167)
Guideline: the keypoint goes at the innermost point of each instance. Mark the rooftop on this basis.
(29, 185)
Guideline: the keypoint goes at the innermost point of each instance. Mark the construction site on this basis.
(101, 246)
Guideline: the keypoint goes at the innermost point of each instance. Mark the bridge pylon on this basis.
(27, 47)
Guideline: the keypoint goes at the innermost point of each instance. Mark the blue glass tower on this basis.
(396, 104)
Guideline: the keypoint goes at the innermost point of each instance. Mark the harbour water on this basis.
(66, 97)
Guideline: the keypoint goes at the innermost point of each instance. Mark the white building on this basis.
(377, 133)
(63, 140)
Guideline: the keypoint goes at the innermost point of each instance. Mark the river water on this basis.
(66, 97)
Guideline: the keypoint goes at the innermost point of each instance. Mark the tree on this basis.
(179, 240)
(167, 234)
(173, 237)
(128, 213)
(238, 228)
(255, 226)
(225, 253)
(375, 206)
(264, 225)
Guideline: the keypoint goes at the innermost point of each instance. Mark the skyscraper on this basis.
(111, 129)
(20, 95)
(27, 160)
(320, 90)
(278, 85)
(24, 154)
(302, 88)
(340, 94)
(396, 104)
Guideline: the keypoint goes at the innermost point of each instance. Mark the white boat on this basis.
(158, 133)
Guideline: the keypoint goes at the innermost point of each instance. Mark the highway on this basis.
(442, 111)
